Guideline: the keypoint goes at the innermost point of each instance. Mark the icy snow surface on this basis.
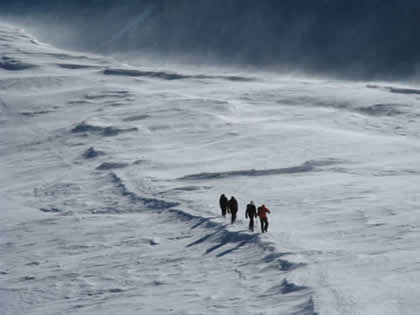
(111, 174)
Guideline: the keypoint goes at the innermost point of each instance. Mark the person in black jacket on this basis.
(233, 207)
(251, 212)
(223, 201)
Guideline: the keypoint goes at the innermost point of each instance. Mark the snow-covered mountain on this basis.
(111, 176)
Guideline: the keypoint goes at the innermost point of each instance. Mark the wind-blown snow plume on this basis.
(131, 25)
(111, 172)
(363, 38)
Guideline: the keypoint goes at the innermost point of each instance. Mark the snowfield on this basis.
(111, 176)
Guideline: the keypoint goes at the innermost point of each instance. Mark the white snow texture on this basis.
(111, 175)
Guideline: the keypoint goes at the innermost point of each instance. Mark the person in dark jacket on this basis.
(262, 213)
(233, 207)
(251, 212)
(223, 201)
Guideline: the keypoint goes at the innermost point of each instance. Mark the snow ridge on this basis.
(307, 166)
(219, 240)
(111, 182)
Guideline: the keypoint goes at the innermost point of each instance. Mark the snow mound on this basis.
(107, 131)
(111, 165)
(12, 64)
(394, 89)
(165, 75)
(148, 202)
(151, 74)
(136, 118)
(303, 168)
(76, 66)
(92, 153)
(382, 110)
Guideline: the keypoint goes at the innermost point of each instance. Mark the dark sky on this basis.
(359, 37)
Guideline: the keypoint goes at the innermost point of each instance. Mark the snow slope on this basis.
(111, 176)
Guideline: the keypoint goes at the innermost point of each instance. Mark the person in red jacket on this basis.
(262, 213)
